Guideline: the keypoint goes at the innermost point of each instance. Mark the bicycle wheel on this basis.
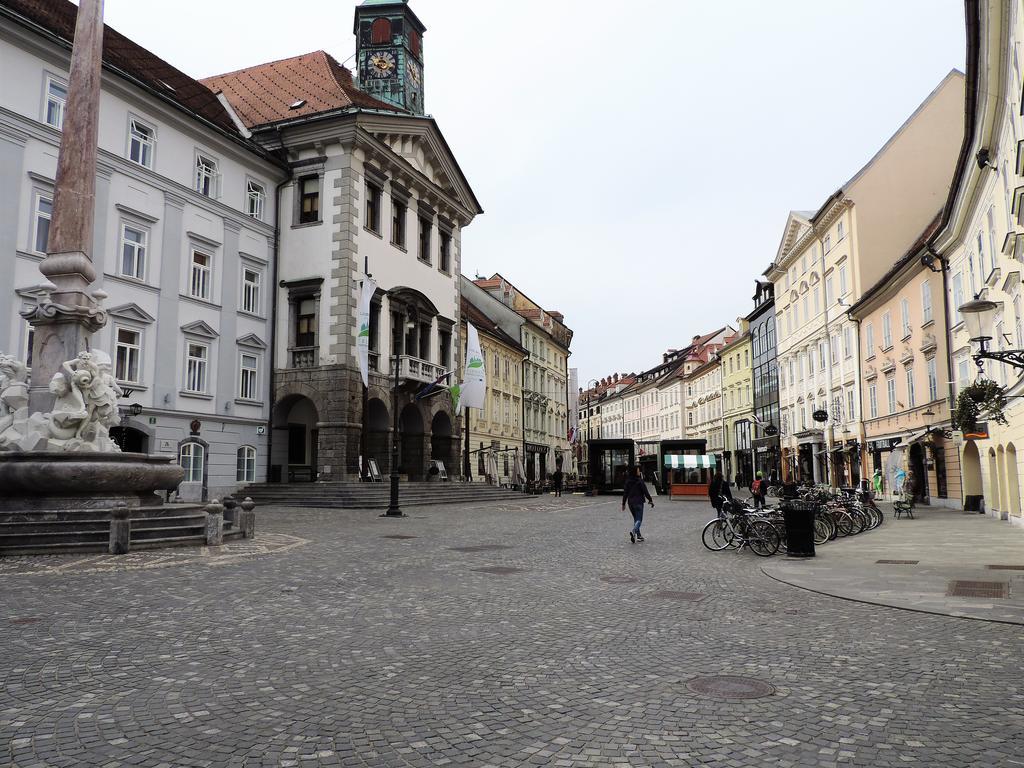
(822, 531)
(763, 538)
(844, 523)
(716, 535)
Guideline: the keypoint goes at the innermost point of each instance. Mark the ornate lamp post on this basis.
(978, 317)
(393, 509)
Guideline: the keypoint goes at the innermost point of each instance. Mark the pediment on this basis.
(907, 355)
(928, 343)
(888, 365)
(199, 328)
(803, 287)
(796, 225)
(252, 340)
(131, 312)
(814, 279)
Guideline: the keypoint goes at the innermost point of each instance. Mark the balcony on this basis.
(413, 369)
(304, 357)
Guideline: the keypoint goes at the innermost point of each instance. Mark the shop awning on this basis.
(690, 462)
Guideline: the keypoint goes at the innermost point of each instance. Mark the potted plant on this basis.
(984, 399)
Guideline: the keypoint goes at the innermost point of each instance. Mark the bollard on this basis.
(230, 510)
(120, 529)
(214, 523)
(247, 518)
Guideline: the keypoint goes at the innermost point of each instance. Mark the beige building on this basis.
(979, 244)
(738, 408)
(824, 263)
(496, 433)
(903, 353)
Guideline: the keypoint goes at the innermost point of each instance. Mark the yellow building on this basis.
(496, 434)
(738, 407)
(979, 245)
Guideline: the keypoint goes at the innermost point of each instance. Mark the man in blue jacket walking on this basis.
(634, 494)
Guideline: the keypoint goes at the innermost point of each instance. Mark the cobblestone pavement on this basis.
(532, 634)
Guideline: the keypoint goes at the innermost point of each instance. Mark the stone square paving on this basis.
(523, 634)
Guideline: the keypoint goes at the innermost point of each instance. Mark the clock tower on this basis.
(389, 53)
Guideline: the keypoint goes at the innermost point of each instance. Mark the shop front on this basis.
(647, 458)
(610, 461)
(767, 458)
(536, 462)
(687, 469)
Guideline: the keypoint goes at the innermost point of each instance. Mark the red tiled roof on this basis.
(265, 93)
(58, 18)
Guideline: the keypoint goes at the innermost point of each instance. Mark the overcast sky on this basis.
(636, 161)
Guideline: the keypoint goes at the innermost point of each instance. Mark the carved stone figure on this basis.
(13, 401)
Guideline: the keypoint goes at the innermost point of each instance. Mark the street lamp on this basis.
(930, 430)
(978, 317)
(393, 509)
(127, 412)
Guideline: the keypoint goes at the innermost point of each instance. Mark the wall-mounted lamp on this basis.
(928, 259)
(983, 159)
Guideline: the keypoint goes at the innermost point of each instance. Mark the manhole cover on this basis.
(997, 589)
(480, 548)
(1005, 567)
(398, 536)
(25, 621)
(619, 579)
(897, 562)
(690, 596)
(499, 570)
(731, 687)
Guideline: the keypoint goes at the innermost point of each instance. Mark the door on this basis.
(296, 443)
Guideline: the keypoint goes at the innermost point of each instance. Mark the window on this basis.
(873, 401)
(926, 301)
(886, 330)
(44, 211)
(247, 380)
(834, 349)
(373, 195)
(958, 295)
(127, 353)
(309, 199)
(133, 252)
(848, 342)
(890, 391)
(206, 175)
(839, 231)
(497, 366)
(425, 227)
(828, 243)
(56, 101)
(1018, 321)
(981, 257)
(199, 280)
(446, 251)
(842, 280)
(911, 394)
(192, 456)
(251, 279)
(140, 143)
(933, 380)
(245, 468)
(817, 300)
(255, 196)
(830, 294)
(849, 406)
(398, 215)
(803, 263)
(821, 356)
(305, 323)
(905, 317)
(195, 367)
(963, 371)
(807, 308)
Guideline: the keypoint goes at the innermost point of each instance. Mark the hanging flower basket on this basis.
(984, 399)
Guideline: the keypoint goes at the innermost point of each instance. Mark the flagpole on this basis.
(465, 461)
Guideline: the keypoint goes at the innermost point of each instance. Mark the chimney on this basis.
(616, 378)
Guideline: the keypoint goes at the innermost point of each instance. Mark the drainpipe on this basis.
(273, 313)
(951, 401)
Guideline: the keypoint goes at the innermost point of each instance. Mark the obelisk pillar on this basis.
(65, 320)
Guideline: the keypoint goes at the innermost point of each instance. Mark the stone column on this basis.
(214, 524)
(120, 529)
(66, 319)
(247, 518)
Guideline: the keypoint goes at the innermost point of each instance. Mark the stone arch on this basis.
(1012, 481)
(993, 479)
(295, 436)
(378, 427)
(131, 438)
(412, 447)
(444, 442)
(972, 470)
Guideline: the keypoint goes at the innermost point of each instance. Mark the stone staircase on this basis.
(48, 532)
(353, 495)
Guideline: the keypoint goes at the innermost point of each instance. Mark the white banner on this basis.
(363, 321)
(474, 377)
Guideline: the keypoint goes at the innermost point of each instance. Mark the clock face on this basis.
(382, 64)
(414, 72)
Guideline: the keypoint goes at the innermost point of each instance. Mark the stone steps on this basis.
(375, 495)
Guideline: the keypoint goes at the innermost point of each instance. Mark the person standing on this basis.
(718, 491)
(634, 494)
(878, 483)
(759, 489)
(558, 479)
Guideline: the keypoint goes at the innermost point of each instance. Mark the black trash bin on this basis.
(799, 516)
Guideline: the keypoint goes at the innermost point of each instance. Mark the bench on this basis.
(304, 473)
(903, 507)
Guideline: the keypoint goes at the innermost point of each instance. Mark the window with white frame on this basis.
(828, 243)
(245, 466)
(830, 293)
(141, 140)
(926, 301)
(851, 414)
(842, 280)
(41, 222)
(981, 257)
(255, 196)
(905, 317)
(890, 391)
(206, 175)
(248, 377)
(886, 331)
(873, 400)
(839, 231)
(958, 295)
(911, 392)
(963, 371)
(192, 457)
(199, 277)
(127, 354)
(1018, 321)
(251, 279)
(133, 251)
(56, 102)
(197, 360)
(933, 379)
(848, 342)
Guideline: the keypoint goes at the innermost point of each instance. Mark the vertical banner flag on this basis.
(474, 377)
(363, 321)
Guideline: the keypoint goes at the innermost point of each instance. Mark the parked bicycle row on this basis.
(761, 527)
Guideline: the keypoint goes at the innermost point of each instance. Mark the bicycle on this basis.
(740, 527)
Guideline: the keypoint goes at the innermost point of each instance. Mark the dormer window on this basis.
(206, 175)
(141, 138)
